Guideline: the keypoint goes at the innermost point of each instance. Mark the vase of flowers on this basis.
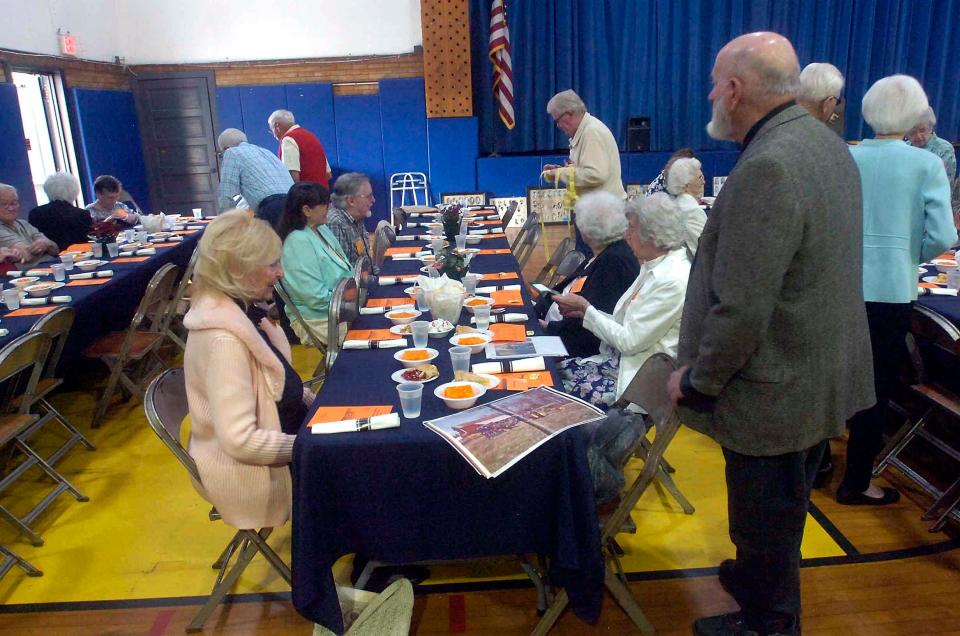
(450, 217)
(452, 264)
(104, 237)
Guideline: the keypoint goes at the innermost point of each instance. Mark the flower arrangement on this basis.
(104, 231)
(452, 264)
(450, 216)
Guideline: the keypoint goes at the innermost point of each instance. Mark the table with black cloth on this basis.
(946, 306)
(405, 495)
(102, 308)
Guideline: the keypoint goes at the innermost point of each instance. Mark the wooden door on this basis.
(177, 114)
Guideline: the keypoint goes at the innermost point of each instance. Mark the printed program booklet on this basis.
(494, 436)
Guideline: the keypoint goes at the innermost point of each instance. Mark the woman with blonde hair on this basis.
(245, 399)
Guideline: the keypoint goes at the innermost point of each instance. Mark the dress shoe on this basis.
(735, 624)
(727, 573)
(890, 496)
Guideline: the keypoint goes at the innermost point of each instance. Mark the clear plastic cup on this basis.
(463, 226)
(113, 249)
(422, 300)
(67, 260)
(461, 241)
(433, 272)
(421, 332)
(482, 314)
(411, 394)
(59, 272)
(470, 284)
(97, 249)
(460, 358)
(436, 244)
(198, 213)
(11, 298)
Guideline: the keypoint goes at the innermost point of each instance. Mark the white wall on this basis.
(175, 31)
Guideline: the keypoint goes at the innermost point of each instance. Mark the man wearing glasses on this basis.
(820, 88)
(350, 203)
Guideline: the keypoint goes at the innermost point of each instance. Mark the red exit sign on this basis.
(68, 44)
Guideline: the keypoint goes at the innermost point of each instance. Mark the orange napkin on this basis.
(398, 251)
(577, 286)
(40, 270)
(388, 302)
(499, 276)
(948, 256)
(185, 232)
(507, 298)
(83, 282)
(928, 285)
(493, 222)
(524, 381)
(164, 244)
(30, 311)
(338, 413)
(77, 247)
(488, 236)
(370, 334)
(506, 332)
(502, 250)
(130, 259)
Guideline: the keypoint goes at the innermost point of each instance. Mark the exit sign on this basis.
(68, 44)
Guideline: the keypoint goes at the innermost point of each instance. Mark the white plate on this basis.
(932, 279)
(434, 333)
(396, 377)
(490, 381)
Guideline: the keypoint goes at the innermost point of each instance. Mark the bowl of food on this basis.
(939, 279)
(473, 302)
(944, 265)
(402, 316)
(476, 341)
(421, 373)
(410, 358)
(459, 395)
(38, 290)
(473, 239)
(88, 266)
(22, 282)
(411, 291)
(440, 327)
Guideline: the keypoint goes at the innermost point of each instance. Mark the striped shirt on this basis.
(253, 172)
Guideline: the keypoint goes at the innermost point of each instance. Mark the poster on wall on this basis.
(636, 190)
(548, 202)
(503, 204)
(464, 198)
(717, 184)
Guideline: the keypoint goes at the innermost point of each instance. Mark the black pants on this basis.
(767, 501)
(271, 208)
(889, 323)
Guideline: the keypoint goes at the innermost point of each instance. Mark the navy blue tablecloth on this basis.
(405, 495)
(946, 306)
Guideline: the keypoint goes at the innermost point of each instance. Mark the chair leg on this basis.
(227, 554)
(898, 442)
(76, 435)
(560, 602)
(51, 472)
(23, 528)
(366, 573)
(626, 601)
(949, 500)
(223, 586)
(115, 372)
(537, 583)
(667, 482)
(11, 559)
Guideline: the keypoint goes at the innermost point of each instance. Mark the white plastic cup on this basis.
(460, 358)
(67, 260)
(11, 298)
(59, 271)
(421, 332)
(463, 226)
(128, 235)
(433, 272)
(97, 248)
(470, 284)
(422, 300)
(198, 213)
(113, 249)
(461, 242)
(482, 314)
(411, 394)
(436, 244)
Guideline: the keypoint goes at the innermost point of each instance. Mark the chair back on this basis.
(533, 219)
(151, 312)
(126, 197)
(399, 218)
(21, 363)
(344, 308)
(508, 215)
(648, 389)
(180, 300)
(56, 325)
(362, 268)
(550, 267)
(525, 247)
(936, 331)
(166, 407)
(383, 237)
(294, 315)
(568, 266)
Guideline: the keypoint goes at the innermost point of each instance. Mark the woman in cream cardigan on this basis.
(241, 389)
(646, 319)
(685, 181)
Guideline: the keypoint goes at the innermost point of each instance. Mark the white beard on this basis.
(719, 126)
(368, 214)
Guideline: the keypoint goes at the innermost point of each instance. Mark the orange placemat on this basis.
(502, 250)
(31, 311)
(398, 251)
(495, 235)
(507, 298)
(326, 414)
(499, 276)
(77, 247)
(492, 222)
(506, 332)
(524, 381)
(174, 244)
(388, 302)
(185, 232)
(948, 256)
(371, 334)
(83, 282)
(130, 259)
(928, 285)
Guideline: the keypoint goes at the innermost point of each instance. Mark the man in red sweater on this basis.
(300, 150)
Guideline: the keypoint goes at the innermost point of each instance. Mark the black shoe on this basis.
(890, 496)
(735, 624)
(727, 573)
(824, 475)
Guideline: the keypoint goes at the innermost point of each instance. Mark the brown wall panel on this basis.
(446, 53)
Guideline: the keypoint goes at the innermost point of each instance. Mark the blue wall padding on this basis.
(454, 147)
(256, 104)
(312, 107)
(14, 163)
(360, 145)
(507, 176)
(403, 120)
(229, 113)
(108, 131)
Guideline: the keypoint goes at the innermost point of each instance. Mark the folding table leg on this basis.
(560, 602)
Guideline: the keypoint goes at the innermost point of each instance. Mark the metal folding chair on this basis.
(165, 404)
(11, 558)
(939, 337)
(648, 390)
(568, 265)
(344, 309)
(548, 271)
(414, 184)
(126, 353)
(533, 220)
(524, 247)
(383, 237)
(21, 364)
(172, 327)
(293, 314)
(508, 215)
(362, 269)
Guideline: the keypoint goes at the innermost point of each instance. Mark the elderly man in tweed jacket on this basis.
(774, 342)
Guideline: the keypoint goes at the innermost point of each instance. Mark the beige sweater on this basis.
(595, 160)
(233, 382)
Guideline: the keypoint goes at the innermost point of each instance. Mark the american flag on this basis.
(499, 53)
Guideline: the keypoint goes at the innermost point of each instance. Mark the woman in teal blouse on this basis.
(312, 259)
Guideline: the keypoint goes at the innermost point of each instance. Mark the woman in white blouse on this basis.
(646, 319)
(685, 181)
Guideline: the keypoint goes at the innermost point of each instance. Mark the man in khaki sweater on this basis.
(594, 162)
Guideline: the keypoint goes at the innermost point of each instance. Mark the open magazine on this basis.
(494, 436)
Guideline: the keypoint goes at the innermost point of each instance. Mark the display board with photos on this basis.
(548, 202)
(464, 198)
(503, 204)
(717, 184)
(636, 190)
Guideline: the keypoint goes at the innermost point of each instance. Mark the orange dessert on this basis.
(476, 301)
(458, 392)
(416, 354)
(402, 314)
(471, 340)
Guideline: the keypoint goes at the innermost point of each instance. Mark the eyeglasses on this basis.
(364, 196)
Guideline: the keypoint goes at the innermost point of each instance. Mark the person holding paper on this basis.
(313, 261)
(246, 401)
(646, 319)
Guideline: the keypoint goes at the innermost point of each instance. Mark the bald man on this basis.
(774, 347)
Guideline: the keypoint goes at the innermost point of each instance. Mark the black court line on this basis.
(832, 530)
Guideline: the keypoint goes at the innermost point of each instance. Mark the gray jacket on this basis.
(774, 325)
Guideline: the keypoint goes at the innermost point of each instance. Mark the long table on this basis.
(404, 495)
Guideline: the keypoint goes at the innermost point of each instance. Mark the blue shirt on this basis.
(253, 172)
(943, 149)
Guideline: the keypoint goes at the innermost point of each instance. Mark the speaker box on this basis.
(638, 134)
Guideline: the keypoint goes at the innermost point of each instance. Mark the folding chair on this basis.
(165, 404)
(11, 558)
(21, 364)
(383, 237)
(320, 373)
(940, 337)
(548, 271)
(649, 391)
(568, 265)
(179, 304)
(523, 248)
(533, 220)
(362, 269)
(134, 347)
(508, 215)
(344, 309)
(57, 326)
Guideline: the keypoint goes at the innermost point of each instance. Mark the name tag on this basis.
(360, 247)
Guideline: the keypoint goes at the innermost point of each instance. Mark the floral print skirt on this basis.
(595, 382)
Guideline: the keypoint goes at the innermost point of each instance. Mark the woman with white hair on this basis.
(922, 136)
(685, 181)
(19, 240)
(906, 220)
(646, 319)
(60, 220)
(601, 280)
